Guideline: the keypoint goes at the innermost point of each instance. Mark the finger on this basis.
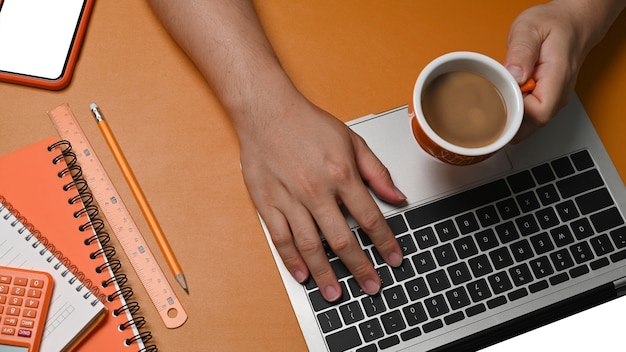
(344, 244)
(283, 240)
(374, 173)
(522, 51)
(362, 207)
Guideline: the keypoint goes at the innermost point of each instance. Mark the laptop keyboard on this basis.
(477, 250)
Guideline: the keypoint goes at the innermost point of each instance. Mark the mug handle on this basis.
(528, 86)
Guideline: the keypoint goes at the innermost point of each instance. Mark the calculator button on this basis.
(18, 291)
(34, 293)
(13, 311)
(27, 323)
(24, 333)
(5, 279)
(7, 331)
(10, 321)
(16, 301)
(20, 281)
(30, 313)
(32, 303)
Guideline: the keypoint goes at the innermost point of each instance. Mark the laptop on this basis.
(531, 235)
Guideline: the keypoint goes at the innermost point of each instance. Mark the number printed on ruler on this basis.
(119, 219)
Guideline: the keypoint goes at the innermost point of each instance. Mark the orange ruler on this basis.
(119, 219)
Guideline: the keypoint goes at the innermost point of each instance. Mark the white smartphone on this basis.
(40, 40)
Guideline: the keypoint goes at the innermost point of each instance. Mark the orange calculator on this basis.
(24, 300)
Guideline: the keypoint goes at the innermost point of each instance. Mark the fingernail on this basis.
(371, 287)
(399, 193)
(517, 73)
(394, 259)
(299, 276)
(332, 294)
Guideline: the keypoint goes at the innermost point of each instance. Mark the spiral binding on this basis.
(105, 249)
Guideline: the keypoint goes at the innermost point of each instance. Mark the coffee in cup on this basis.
(465, 107)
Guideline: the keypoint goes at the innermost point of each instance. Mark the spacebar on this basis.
(457, 204)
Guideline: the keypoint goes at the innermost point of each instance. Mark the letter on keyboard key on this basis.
(343, 340)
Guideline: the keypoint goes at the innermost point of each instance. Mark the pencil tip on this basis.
(181, 280)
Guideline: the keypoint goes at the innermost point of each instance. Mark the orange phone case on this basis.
(62, 81)
(24, 301)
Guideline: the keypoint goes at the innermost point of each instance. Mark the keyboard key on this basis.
(507, 209)
(621, 255)
(424, 262)
(393, 322)
(499, 282)
(496, 302)
(561, 260)
(527, 201)
(407, 245)
(459, 273)
(340, 269)
(521, 181)
(403, 271)
(580, 183)
(486, 239)
(467, 223)
(487, 216)
(416, 288)
(457, 204)
(329, 320)
(581, 228)
(619, 237)
(520, 275)
(562, 167)
(432, 326)
(454, 318)
(517, 294)
(446, 230)
(397, 225)
(474, 310)
(414, 314)
(373, 305)
(465, 247)
(458, 298)
(581, 252)
(480, 265)
(543, 174)
(425, 238)
(567, 210)
(436, 306)
(351, 312)
(343, 340)
(507, 232)
(562, 236)
(388, 342)
(600, 263)
(355, 289)
(371, 330)
(606, 219)
(319, 303)
(501, 258)
(547, 195)
(541, 267)
(410, 334)
(594, 201)
(438, 281)
(538, 286)
(541, 243)
(578, 271)
(547, 218)
(385, 276)
(521, 250)
(582, 160)
(478, 290)
(395, 297)
(444, 254)
(368, 348)
(602, 245)
(558, 279)
(527, 225)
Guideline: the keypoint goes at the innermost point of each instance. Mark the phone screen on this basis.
(36, 36)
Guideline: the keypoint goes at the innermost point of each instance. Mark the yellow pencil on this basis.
(139, 196)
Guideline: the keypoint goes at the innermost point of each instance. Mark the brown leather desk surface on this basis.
(350, 57)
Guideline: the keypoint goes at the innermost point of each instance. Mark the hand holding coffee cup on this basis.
(465, 107)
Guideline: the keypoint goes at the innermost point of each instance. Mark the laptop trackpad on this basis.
(419, 176)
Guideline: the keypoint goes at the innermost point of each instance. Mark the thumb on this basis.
(375, 174)
(522, 53)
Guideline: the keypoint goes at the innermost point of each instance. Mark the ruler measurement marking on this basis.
(120, 221)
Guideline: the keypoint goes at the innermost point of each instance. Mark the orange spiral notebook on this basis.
(43, 181)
